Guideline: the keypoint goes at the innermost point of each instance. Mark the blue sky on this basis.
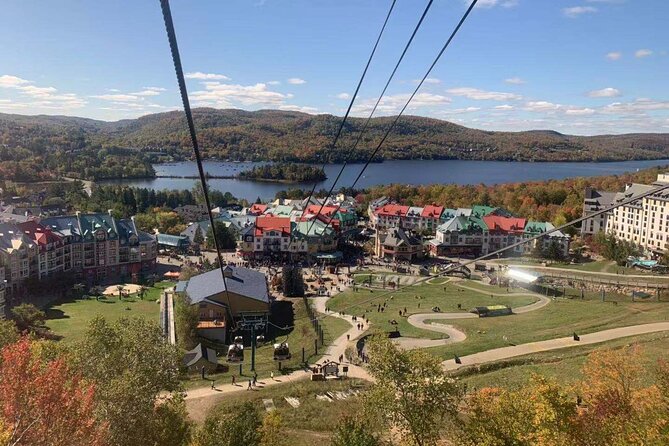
(577, 66)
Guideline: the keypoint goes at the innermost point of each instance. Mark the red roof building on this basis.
(266, 223)
(432, 211)
(44, 237)
(327, 211)
(257, 209)
(392, 210)
(505, 224)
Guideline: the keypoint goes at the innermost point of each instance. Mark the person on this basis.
(233, 380)
(341, 358)
(348, 337)
(255, 379)
(249, 387)
(212, 384)
(271, 375)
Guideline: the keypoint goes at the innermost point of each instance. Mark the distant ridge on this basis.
(277, 135)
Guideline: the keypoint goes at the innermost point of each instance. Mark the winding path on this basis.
(455, 335)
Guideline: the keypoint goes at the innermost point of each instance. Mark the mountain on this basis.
(293, 136)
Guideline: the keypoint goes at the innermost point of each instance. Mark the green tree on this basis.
(198, 238)
(9, 334)
(292, 281)
(226, 238)
(237, 427)
(185, 320)
(350, 431)
(28, 318)
(131, 364)
(412, 392)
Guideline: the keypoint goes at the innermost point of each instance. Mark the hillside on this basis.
(81, 146)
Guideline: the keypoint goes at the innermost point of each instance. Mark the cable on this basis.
(399, 115)
(350, 105)
(499, 251)
(369, 118)
(174, 48)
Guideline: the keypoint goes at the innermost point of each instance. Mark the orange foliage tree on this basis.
(45, 403)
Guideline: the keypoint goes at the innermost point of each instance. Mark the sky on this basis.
(575, 66)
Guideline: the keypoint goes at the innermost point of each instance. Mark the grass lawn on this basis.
(420, 299)
(314, 419)
(560, 318)
(69, 318)
(564, 365)
(285, 313)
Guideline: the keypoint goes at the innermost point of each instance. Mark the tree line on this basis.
(284, 172)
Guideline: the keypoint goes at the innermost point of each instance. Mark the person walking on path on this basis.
(233, 380)
(212, 384)
(271, 375)
(249, 387)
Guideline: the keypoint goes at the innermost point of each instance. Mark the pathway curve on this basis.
(455, 335)
(201, 400)
(553, 344)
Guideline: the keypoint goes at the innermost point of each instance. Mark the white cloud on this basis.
(514, 81)
(541, 106)
(296, 81)
(310, 110)
(641, 105)
(482, 95)
(39, 97)
(217, 94)
(458, 111)
(392, 104)
(274, 83)
(643, 53)
(504, 107)
(493, 3)
(117, 97)
(576, 11)
(7, 81)
(608, 92)
(343, 96)
(207, 76)
(614, 55)
(579, 111)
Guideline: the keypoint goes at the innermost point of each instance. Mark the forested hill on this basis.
(292, 136)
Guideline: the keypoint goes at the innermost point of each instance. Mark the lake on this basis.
(416, 172)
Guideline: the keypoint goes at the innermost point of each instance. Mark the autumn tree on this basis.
(46, 402)
(186, 318)
(8, 332)
(131, 364)
(351, 431)
(239, 426)
(412, 392)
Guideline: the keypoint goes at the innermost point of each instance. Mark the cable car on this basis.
(281, 351)
(238, 340)
(236, 353)
(260, 339)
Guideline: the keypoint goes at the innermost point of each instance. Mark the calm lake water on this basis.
(410, 172)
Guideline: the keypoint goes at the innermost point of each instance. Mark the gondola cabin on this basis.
(236, 353)
(281, 352)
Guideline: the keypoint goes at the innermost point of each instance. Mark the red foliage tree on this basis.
(46, 403)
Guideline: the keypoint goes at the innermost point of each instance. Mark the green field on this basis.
(560, 318)
(420, 299)
(302, 335)
(564, 365)
(70, 318)
(314, 420)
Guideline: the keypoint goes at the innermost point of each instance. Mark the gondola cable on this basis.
(176, 59)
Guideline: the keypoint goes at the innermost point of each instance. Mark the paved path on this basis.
(455, 335)
(200, 400)
(574, 271)
(553, 344)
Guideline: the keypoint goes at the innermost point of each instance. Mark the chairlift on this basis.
(236, 353)
(260, 339)
(238, 340)
(281, 352)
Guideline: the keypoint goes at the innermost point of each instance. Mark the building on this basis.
(557, 238)
(50, 248)
(199, 358)
(178, 243)
(644, 222)
(271, 237)
(99, 248)
(459, 236)
(222, 304)
(398, 245)
(18, 257)
(388, 216)
(594, 201)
